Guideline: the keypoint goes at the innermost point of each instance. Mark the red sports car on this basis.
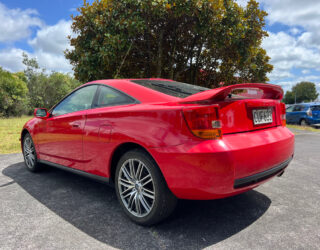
(157, 140)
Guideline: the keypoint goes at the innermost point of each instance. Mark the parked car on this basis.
(158, 140)
(304, 114)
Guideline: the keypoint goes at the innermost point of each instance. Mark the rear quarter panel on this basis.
(150, 126)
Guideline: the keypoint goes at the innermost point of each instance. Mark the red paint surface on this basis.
(193, 168)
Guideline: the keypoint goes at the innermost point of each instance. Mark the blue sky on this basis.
(39, 28)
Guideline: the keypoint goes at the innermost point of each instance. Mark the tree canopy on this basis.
(13, 92)
(45, 90)
(202, 42)
(21, 92)
(301, 92)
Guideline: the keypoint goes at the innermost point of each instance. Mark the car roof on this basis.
(143, 94)
(307, 104)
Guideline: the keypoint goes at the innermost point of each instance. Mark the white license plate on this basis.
(262, 116)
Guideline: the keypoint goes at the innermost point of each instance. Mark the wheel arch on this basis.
(122, 149)
(23, 133)
(303, 119)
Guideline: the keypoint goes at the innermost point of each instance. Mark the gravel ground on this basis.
(58, 210)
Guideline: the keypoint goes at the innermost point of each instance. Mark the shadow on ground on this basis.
(93, 208)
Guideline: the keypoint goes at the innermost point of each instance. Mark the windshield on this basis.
(177, 89)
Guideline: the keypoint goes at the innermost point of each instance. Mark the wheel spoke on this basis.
(131, 200)
(137, 204)
(139, 171)
(31, 157)
(148, 193)
(146, 181)
(128, 194)
(125, 184)
(126, 174)
(131, 167)
(144, 203)
(144, 178)
(129, 182)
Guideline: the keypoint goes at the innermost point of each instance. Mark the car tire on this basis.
(131, 182)
(30, 154)
(303, 122)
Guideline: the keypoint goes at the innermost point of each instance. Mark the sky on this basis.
(40, 28)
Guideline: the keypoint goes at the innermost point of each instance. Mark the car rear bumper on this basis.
(256, 178)
(313, 121)
(214, 169)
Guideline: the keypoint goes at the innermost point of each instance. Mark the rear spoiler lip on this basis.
(219, 94)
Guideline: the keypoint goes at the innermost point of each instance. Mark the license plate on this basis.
(262, 116)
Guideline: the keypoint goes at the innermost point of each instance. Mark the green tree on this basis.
(45, 90)
(301, 92)
(13, 92)
(289, 97)
(203, 42)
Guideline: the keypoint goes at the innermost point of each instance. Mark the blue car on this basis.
(304, 114)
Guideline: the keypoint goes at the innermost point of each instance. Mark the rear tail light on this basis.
(283, 114)
(309, 112)
(204, 121)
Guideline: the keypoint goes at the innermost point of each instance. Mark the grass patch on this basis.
(305, 128)
(10, 129)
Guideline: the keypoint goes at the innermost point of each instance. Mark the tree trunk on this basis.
(196, 69)
(159, 57)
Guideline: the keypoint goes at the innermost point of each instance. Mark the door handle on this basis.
(75, 125)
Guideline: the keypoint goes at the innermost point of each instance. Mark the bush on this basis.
(13, 94)
(45, 90)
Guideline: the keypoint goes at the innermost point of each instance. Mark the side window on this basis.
(290, 109)
(297, 108)
(315, 108)
(109, 97)
(78, 100)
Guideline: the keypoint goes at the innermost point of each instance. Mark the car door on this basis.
(316, 113)
(60, 139)
(297, 113)
(101, 122)
(289, 114)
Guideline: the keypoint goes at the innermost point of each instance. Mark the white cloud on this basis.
(52, 39)
(305, 71)
(49, 45)
(16, 24)
(287, 53)
(293, 12)
(300, 48)
(11, 59)
(295, 31)
(287, 85)
(48, 48)
(242, 3)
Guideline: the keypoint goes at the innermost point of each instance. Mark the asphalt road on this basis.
(58, 210)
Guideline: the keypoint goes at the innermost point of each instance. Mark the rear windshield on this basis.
(177, 89)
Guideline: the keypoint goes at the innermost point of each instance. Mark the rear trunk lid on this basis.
(243, 107)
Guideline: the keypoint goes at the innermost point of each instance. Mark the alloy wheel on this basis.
(136, 187)
(29, 152)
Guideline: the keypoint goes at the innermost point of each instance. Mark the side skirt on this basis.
(79, 172)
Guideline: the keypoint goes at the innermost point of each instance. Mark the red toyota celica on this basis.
(157, 140)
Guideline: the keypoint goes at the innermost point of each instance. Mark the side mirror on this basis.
(41, 113)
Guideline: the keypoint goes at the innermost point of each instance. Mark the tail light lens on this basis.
(283, 114)
(204, 121)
